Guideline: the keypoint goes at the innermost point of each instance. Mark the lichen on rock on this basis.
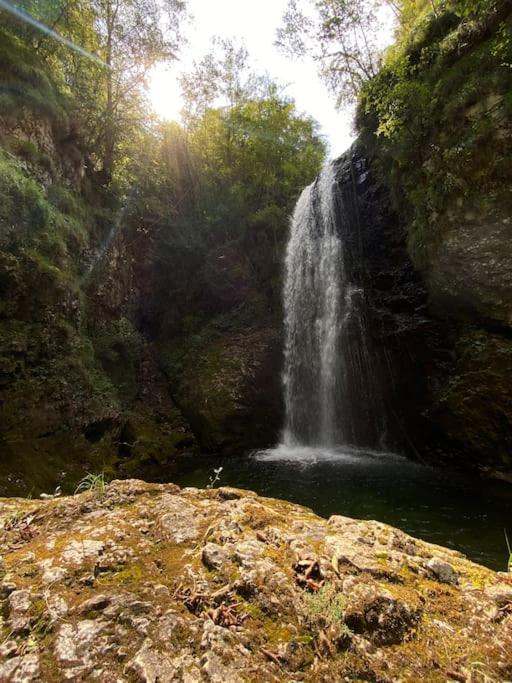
(153, 583)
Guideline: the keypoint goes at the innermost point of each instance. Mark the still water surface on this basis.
(437, 505)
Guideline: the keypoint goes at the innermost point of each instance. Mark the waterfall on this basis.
(331, 394)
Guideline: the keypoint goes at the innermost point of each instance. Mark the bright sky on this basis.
(253, 23)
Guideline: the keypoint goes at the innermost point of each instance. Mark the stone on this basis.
(95, 604)
(247, 552)
(161, 591)
(229, 493)
(166, 616)
(78, 646)
(19, 605)
(501, 594)
(442, 571)
(150, 666)
(78, 552)
(50, 572)
(222, 661)
(213, 556)
(377, 615)
(20, 669)
(8, 649)
(179, 519)
(57, 607)
(6, 588)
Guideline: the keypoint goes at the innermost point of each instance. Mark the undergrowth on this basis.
(437, 116)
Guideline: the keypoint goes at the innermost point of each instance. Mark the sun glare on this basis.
(165, 93)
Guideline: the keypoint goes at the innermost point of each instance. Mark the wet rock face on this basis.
(439, 332)
(469, 279)
(148, 582)
(403, 338)
(470, 273)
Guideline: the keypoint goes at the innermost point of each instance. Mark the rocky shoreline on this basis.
(147, 582)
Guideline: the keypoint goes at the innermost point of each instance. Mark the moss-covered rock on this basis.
(73, 372)
(219, 343)
(156, 583)
(475, 404)
(228, 387)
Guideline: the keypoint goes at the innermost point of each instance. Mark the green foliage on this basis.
(254, 155)
(23, 209)
(325, 607)
(95, 483)
(51, 226)
(25, 82)
(103, 94)
(118, 347)
(436, 110)
(65, 200)
(233, 177)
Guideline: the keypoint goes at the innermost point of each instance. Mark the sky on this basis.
(255, 24)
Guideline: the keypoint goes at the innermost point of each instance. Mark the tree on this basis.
(341, 35)
(222, 77)
(252, 156)
(134, 35)
(126, 38)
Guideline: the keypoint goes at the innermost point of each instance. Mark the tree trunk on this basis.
(108, 153)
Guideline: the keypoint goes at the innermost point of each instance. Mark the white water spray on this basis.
(313, 308)
(330, 391)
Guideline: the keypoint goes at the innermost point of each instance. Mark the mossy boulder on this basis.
(151, 582)
(475, 404)
(227, 385)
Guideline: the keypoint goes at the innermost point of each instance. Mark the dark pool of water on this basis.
(437, 505)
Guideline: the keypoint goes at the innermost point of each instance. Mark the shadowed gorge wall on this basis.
(437, 122)
(402, 339)
(131, 333)
(101, 368)
(143, 320)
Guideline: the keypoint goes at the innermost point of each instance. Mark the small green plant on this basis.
(214, 478)
(95, 483)
(509, 563)
(325, 607)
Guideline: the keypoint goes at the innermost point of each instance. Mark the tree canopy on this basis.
(341, 35)
(124, 40)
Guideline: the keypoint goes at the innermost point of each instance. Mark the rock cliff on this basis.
(436, 123)
(403, 337)
(108, 361)
(101, 367)
(146, 582)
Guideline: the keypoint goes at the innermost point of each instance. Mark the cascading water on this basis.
(330, 389)
(312, 305)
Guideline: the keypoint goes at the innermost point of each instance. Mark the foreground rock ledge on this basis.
(147, 582)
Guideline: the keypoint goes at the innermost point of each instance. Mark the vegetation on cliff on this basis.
(113, 226)
(440, 108)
